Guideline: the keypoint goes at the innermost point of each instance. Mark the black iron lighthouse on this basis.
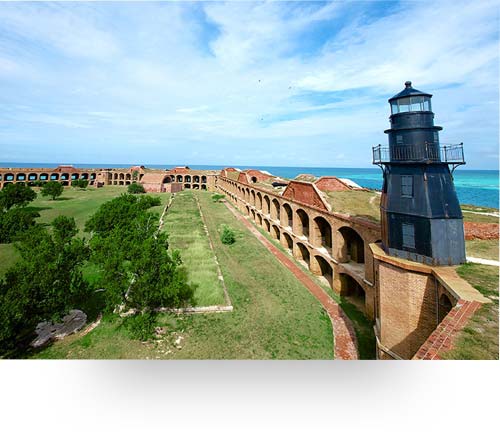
(421, 216)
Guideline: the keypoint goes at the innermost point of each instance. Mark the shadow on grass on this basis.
(32, 209)
(363, 328)
(92, 306)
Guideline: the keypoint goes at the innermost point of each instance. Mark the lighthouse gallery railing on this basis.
(425, 152)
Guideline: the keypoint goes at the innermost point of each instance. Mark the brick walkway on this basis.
(344, 336)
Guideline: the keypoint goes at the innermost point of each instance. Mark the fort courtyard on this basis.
(305, 277)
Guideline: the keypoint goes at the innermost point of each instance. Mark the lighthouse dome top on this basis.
(409, 91)
(410, 100)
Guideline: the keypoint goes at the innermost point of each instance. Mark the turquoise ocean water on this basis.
(477, 187)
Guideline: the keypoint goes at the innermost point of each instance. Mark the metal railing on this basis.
(425, 152)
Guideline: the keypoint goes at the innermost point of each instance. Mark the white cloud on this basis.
(245, 79)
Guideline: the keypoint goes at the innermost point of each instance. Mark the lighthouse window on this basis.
(407, 186)
(404, 105)
(417, 103)
(399, 139)
(436, 138)
(427, 104)
(408, 235)
(394, 107)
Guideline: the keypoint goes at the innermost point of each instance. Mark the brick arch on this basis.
(252, 197)
(122, 176)
(287, 215)
(179, 179)
(275, 209)
(166, 179)
(445, 304)
(321, 267)
(267, 225)
(259, 201)
(302, 253)
(301, 227)
(32, 176)
(322, 233)
(187, 179)
(266, 207)
(353, 290)
(287, 241)
(353, 245)
(196, 179)
(259, 219)
(20, 176)
(275, 232)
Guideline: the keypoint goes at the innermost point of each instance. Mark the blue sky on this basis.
(240, 83)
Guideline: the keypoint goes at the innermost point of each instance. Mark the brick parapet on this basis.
(445, 334)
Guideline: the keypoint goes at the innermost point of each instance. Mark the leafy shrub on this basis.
(136, 188)
(81, 183)
(141, 326)
(138, 270)
(227, 235)
(218, 197)
(14, 222)
(119, 213)
(45, 283)
(16, 194)
(52, 189)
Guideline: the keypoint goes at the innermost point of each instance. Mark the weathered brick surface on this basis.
(407, 306)
(481, 231)
(443, 337)
(332, 184)
(305, 193)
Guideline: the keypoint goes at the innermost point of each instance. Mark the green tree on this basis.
(80, 183)
(16, 194)
(138, 270)
(14, 222)
(159, 279)
(119, 212)
(135, 188)
(52, 189)
(45, 284)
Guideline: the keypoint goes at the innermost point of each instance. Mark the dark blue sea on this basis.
(477, 187)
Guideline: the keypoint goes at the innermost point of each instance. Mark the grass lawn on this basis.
(479, 338)
(487, 249)
(360, 203)
(186, 232)
(274, 315)
(362, 325)
(77, 203)
(8, 256)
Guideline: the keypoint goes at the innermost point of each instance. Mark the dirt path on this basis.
(483, 261)
(345, 343)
